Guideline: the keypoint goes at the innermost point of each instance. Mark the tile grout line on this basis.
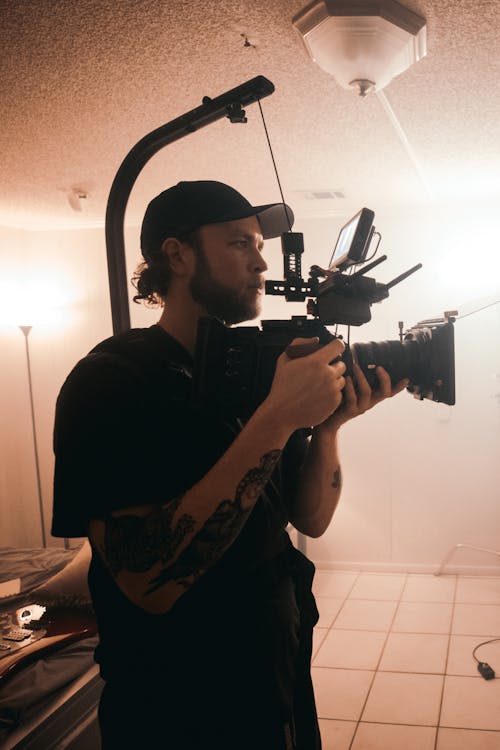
(443, 673)
(345, 598)
(378, 663)
(446, 663)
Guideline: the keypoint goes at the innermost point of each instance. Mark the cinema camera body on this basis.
(234, 367)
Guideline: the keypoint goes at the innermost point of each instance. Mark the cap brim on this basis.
(274, 218)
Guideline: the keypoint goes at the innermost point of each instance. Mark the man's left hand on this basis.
(358, 396)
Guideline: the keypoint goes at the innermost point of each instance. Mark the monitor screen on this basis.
(353, 240)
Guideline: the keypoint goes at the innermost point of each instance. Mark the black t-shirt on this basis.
(126, 433)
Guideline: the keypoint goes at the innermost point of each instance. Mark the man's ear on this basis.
(179, 255)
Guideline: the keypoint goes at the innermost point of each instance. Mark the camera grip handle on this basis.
(294, 351)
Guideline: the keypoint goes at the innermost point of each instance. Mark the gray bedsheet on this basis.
(25, 692)
(34, 687)
(34, 566)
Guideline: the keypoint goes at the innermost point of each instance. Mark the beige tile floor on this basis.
(393, 666)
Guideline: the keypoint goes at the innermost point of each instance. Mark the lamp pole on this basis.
(26, 331)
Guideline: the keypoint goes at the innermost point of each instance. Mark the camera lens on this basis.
(406, 359)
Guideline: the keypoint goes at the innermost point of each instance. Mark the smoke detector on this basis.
(363, 44)
(75, 195)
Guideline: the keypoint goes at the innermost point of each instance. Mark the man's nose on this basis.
(258, 262)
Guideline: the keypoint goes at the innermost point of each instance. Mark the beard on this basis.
(216, 298)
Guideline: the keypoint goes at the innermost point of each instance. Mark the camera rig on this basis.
(234, 367)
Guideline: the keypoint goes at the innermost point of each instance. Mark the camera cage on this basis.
(234, 367)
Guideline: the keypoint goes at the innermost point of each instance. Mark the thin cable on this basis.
(479, 309)
(367, 260)
(274, 164)
(484, 643)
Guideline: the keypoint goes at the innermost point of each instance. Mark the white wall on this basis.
(56, 282)
(418, 477)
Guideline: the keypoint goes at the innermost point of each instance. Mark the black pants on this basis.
(241, 685)
(150, 719)
(229, 706)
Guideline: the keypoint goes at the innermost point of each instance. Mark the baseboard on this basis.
(408, 567)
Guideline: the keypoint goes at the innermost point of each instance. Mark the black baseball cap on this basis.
(190, 205)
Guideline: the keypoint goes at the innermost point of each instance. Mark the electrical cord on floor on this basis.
(483, 667)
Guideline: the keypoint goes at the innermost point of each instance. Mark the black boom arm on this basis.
(226, 105)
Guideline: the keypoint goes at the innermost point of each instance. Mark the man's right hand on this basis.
(307, 388)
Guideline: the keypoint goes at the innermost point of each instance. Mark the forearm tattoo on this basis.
(136, 544)
(337, 479)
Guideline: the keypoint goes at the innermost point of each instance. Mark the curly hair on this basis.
(152, 277)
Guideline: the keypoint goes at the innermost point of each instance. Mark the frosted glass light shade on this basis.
(363, 43)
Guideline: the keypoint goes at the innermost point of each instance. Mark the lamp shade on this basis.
(363, 44)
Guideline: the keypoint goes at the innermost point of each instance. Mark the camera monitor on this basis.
(353, 241)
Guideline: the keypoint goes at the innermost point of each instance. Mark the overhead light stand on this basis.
(228, 105)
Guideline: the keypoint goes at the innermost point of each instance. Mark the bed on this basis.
(49, 682)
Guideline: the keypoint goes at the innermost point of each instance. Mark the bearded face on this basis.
(228, 282)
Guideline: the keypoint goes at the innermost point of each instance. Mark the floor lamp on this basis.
(26, 331)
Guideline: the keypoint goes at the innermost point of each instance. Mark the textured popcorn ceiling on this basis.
(82, 82)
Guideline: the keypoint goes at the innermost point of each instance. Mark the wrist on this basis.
(327, 431)
(268, 418)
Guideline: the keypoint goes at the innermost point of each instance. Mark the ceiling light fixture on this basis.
(364, 44)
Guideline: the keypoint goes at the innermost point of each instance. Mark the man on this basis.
(204, 608)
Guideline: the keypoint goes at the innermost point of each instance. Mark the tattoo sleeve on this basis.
(135, 543)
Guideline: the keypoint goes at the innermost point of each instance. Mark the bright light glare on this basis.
(459, 180)
(467, 261)
(34, 301)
